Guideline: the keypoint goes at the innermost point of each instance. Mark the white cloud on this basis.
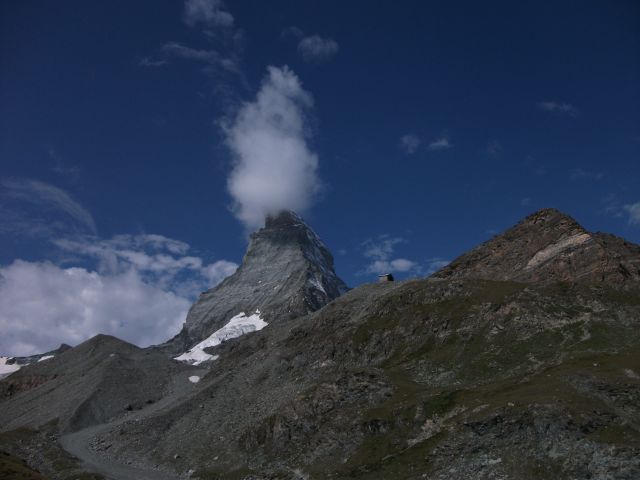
(388, 266)
(43, 305)
(140, 291)
(382, 247)
(558, 108)
(634, 213)
(316, 47)
(440, 144)
(158, 260)
(210, 13)
(274, 167)
(526, 202)
(381, 252)
(137, 287)
(409, 143)
(48, 200)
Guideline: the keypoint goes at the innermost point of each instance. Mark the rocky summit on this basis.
(519, 361)
(549, 246)
(286, 272)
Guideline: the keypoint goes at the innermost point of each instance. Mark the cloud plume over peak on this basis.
(274, 167)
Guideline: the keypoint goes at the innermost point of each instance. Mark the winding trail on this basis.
(77, 443)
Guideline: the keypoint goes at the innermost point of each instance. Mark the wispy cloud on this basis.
(70, 172)
(153, 62)
(558, 108)
(388, 266)
(47, 200)
(616, 208)
(211, 57)
(612, 206)
(382, 247)
(633, 210)
(380, 251)
(315, 48)
(158, 260)
(526, 202)
(441, 143)
(409, 143)
(293, 32)
(580, 174)
(435, 264)
(217, 25)
(209, 13)
(274, 165)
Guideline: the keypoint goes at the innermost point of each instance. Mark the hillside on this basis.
(532, 374)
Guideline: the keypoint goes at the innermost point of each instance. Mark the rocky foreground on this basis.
(467, 375)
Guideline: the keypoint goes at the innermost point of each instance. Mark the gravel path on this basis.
(77, 443)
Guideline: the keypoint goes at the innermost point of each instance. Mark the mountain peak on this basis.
(287, 271)
(284, 218)
(550, 216)
(547, 246)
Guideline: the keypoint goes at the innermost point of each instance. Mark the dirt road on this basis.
(77, 443)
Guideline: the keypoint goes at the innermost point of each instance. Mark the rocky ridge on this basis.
(549, 246)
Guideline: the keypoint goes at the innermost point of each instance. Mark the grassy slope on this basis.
(494, 378)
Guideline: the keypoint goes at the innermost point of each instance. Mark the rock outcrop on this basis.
(549, 246)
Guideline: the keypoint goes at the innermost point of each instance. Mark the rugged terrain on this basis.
(532, 374)
(549, 246)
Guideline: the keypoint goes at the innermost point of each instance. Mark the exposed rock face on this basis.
(549, 246)
(286, 272)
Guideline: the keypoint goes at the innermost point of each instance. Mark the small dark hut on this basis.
(385, 277)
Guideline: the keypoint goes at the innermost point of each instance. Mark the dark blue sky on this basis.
(435, 124)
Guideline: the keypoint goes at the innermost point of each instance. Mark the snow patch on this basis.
(45, 357)
(314, 282)
(194, 379)
(6, 370)
(236, 327)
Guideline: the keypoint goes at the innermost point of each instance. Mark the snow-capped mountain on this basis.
(286, 272)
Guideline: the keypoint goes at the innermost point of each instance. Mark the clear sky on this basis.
(141, 141)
